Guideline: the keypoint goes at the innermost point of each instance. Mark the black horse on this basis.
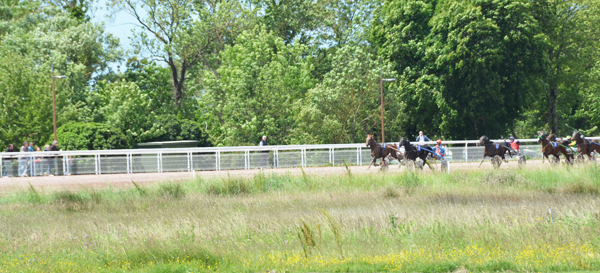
(492, 150)
(412, 153)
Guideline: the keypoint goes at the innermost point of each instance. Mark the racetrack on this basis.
(124, 180)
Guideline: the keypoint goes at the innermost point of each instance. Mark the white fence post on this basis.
(99, 165)
(466, 152)
(188, 162)
(332, 157)
(2, 167)
(192, 162)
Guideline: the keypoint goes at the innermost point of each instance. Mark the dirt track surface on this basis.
(124, 180)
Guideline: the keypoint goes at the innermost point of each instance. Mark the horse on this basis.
(492, 150)
(377, 151)
(412, 153)
(595, 146)
(560, 147)
(584, 147)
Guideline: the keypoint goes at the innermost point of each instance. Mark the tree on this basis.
(570, 28)
(291, 19)
(467, 67)
(33, 37)
(345, 107)
(125, 107)
(401, 30)
(182, 33)
(260, 79)
(78, 9)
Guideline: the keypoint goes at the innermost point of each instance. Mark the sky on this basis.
(119, 25)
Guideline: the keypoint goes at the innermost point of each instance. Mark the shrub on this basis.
(91, 136)
(173, 128)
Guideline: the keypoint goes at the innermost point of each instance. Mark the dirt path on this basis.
(124, 180)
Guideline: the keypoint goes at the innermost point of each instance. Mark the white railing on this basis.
(218, 158)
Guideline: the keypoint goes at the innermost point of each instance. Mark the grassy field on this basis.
(464, 221)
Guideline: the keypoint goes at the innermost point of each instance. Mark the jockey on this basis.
(514, 144)
(439, 149)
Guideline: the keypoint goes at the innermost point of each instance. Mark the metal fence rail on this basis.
(219, 158)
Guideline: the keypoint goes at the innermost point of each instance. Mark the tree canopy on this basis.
(228, 72)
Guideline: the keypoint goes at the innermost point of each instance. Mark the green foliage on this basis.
(124, 106)
(91, 136)
(345, 107)
(260, 79)
(467, 67)
(32, 38)
(172, 190)
(173, 128)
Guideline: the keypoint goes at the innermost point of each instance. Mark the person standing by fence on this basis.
(30, 169)
(37, 161)
(52, 159)
(23, 160)
(421, 139)
(264, 158)
(46, 161)
(8, 161)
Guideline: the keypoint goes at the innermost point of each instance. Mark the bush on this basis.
(91, 136)
(173, 128)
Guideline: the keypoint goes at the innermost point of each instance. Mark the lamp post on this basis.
(54, 97)
(381, 80)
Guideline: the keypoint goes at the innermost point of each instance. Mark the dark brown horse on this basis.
(584, 146)
(595, 146)
(560, 148)
(377, 151)
(492, 150)
(412, 153)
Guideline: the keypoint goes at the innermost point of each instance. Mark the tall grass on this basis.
(397, 221)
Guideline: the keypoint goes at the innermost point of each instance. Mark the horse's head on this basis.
(576, 135)
(540, 137)
(551, 137)
(483, 140)
(369, 138)
(404, 141)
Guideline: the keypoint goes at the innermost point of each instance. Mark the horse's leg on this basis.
(504, 157)
(546, 156)
(372, 162)
(481, 161)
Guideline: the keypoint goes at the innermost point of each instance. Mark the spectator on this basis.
(265, 154)
(421, 139)
(38, 163)
(8, 161)
(30, 164)
(52, 159)
(439, 149)
(23, 160)
(46, 161)
(514, 144)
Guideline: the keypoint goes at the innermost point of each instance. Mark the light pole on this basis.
(54, 97)
(381, 80)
